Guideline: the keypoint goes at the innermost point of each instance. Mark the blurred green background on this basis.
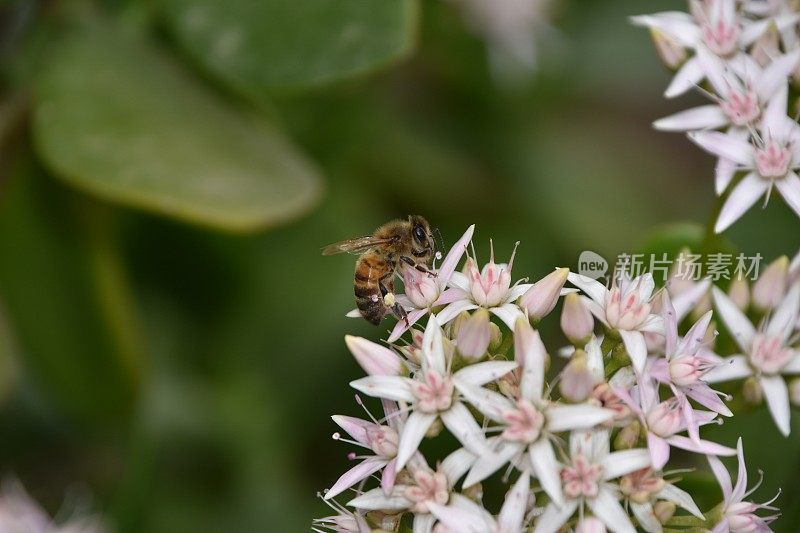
(171, 339)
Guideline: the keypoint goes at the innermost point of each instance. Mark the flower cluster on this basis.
(19, 513)
(587, 449)
(742, 55)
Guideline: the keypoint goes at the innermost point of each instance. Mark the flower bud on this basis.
(664, 510)
(739, 293)
(420, 287)
(770, 288)
(794, 391)
(577, 381)
(495, 337)
(472, 338)
(590, 524)
(665, 419)
(576, 321)
(670, 52)
(541, 298)
(628, 436)
(751, 391)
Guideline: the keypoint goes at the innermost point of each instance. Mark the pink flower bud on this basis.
(590, 524)
(688, 369)
(577, 381)
(474, 334)
(576, 321)
(489, 287)
(421, 288)
(541, 298)
(664, 510)
(751, 391)
(739, 293)
(770, 288)
(628, 436)
(665, 419)
(670, 52)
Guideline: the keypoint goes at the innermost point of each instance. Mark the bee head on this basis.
(422, 242)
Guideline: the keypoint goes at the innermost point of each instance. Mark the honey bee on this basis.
(408, 241)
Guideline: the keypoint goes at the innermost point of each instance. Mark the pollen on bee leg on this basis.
(389, 299)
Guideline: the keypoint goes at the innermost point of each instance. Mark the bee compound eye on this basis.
(419, 234)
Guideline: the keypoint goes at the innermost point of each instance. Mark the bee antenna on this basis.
(441, 240)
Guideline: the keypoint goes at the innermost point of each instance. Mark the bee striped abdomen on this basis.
(369, 300)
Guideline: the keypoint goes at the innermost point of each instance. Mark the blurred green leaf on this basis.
(115, 117)
(66, 297)
(256, 46)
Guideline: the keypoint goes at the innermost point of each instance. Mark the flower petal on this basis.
(606, 507)
(508, 313)
(784, 318)
(695, 336)
(555, 516)
(677, 25)
(489, 463)
(454, 309)
(361, 471)
(454, 255)
(789, 187)
(422, 523)
(618, 464)
(724, 145)
(489, 403)
(741, 475)
(681, 498)
(636, 347)
(741, 198)
(545, 466)
(697, 118)
(401, 326)
(512, 514)
(376, 499)
(390, 387)
(659, 451)
(459, 421)
(457, 464)
(530, 354)
(777, 396)
(482, 373)
(646, 517)
(700, 446)
(458, 518)
(776, 74)
(729, 369)
(433, 347)
(722, 475)
(593, 288)
(414, 431)
(373, 358)
(569, 417)
(739, 325)
(355, 427)
(688, 76)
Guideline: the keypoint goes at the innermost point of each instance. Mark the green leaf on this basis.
(266, 44)
(116, 118)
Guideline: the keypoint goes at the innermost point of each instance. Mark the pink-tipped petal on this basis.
(401, 326)
(356, 474)
(700, 446)
(373, 358)
(454, 255)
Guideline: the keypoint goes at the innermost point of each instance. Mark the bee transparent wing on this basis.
(353, 246)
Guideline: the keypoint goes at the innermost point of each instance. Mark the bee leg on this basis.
(419, 266)
(390, 302)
